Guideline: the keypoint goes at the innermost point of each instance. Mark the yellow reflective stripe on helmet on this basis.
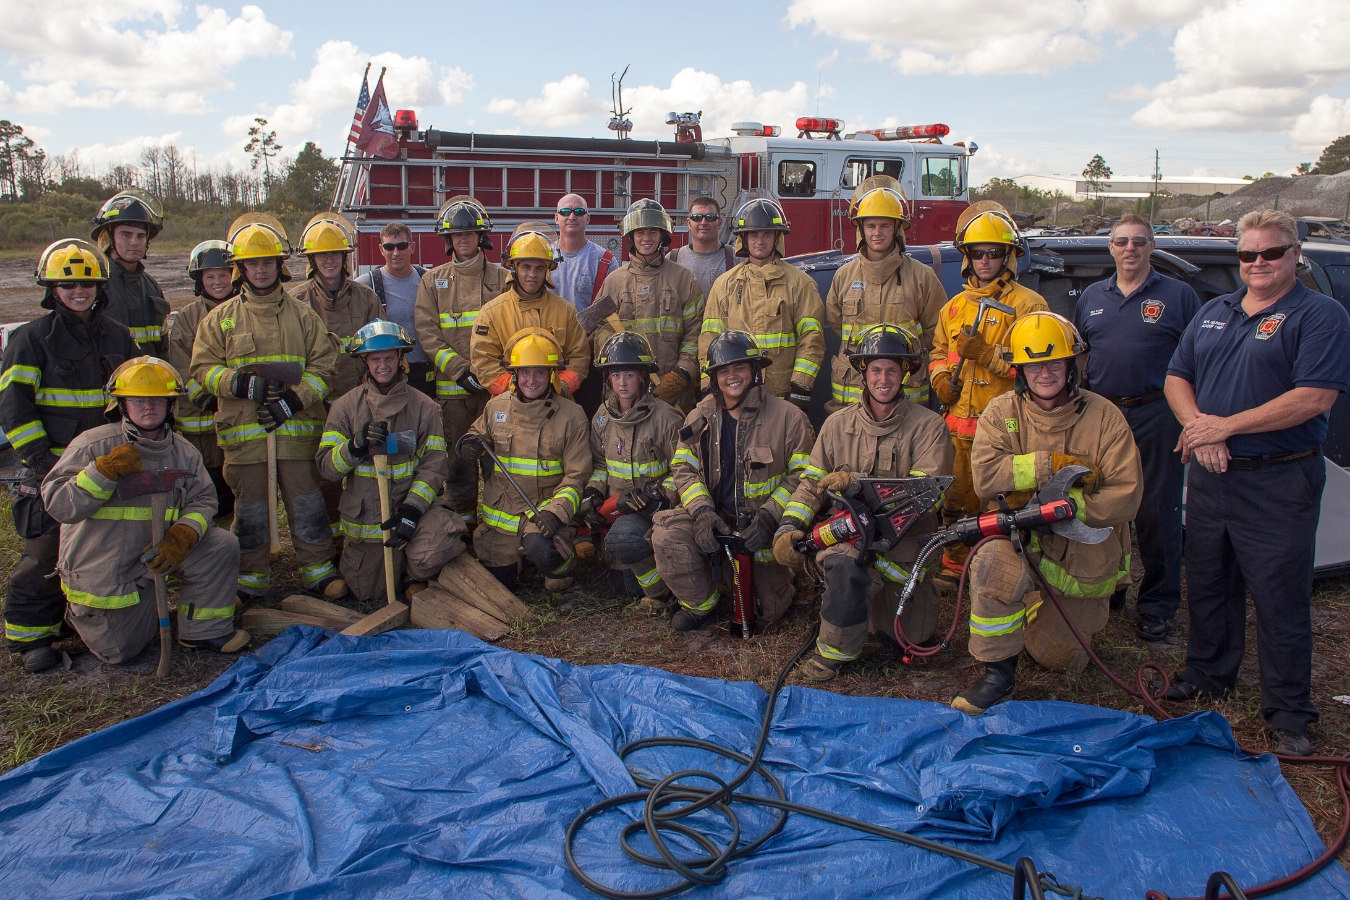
(617, 468)
(502, 521)
(756, 489)
(91, 487)
(693, 492)
(570, 495)
(895, 573)
(778, 340)
(846, 393)
(357, 531)
(686, 456)
(423, 490)
(834, 653)
(198, 613)
(25, 633)
(199, 519)
(132, 513)
(195, 424)
(1024, 472)
(459, 320)
(706, 604)
(534, 468)
(66, 397)
(16, 374)
(98, 601)
(804, 366)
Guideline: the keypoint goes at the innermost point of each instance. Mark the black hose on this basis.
(711, 868)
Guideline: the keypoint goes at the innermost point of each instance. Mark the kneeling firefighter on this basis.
(538, 447)
(387, 417)
(1024, 437)
(883, 436)
(633, 438)
(102, 492)
(741, 454)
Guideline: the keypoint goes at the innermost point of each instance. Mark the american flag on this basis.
(362, 101)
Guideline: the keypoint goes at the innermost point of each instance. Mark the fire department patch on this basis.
(1011, 425)
(1152, 310)
(442, 283)
(1266, 328)
(858, 286)
(599, 421)
(499, 416)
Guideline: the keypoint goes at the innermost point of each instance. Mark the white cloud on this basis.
(454, 86)
(722, 103)
(97, 157)
(561, 104)
(87, 54)
(1326, 119)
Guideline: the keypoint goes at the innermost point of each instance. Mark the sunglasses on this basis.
(577, 211)
(1269, 254)
(989, 253)
(700, 217)
(401, 245)
(72, 285)
(1127, 241)
(1034, 369)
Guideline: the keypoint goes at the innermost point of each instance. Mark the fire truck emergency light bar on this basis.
(816, 126)
(754, 129)
(908, 132)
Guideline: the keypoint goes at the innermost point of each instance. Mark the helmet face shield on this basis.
(380, 334)
(626, 350)
(132, 206)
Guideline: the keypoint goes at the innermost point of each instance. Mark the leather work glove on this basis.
(376, 435)
(273, 414)
(799, 397)
(584, 546)
(784, 549)
(1017, 499)
(635, 501)
(570, 380)
(591, 501)
(469, 447)
(947, 390)
(761, 531)
(672, 385)
(836, 481)
(1092, 481)
(42, 463)
(471, 384)
(401, 526)
(975, 348)
(548, 524)
(121, 460)
(500, 384)
(251, 386)
(177, 542)
(708, 525)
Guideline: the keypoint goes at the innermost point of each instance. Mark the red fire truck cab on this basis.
(522, 177)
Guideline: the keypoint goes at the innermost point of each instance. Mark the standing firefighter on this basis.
(776, 303)
(124, 228)
(242, 346)
(344, 305)
(448, 301)
(659, 299)
(1024, 438)
(527, 302)
(886, 436)
(741, 454)
(542, 440)
(101, 491)
(387, 416)
(212, 276)
(633, 438)
(51, 391)
(967, 368)
(880, 284)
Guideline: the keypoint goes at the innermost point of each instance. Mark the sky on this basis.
(1217, 87)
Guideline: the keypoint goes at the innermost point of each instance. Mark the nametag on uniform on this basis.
(1096, 312)
(481, 329)
(858, 286)
(499, 416)
(646, 289)
(442, 283)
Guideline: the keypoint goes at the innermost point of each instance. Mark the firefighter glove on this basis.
(672, 385)
(121, 460)
(251, 386)
(799, 397)
(177, 542)
(584, 546)
(468, 382)
(470, 446)
(761, 531)
(273, 414)
(636, 501)
(709, 526)
(1092, 481)
(376, 435)
(571, 380)
(500, 384)
(548, 524)
(402, 526)
(947, 390)
(836, 481)
(785, 545)
(1017, 499)
(42, 463)
(591, 501)
(975, 348)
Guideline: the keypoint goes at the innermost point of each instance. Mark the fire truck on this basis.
(522, 177)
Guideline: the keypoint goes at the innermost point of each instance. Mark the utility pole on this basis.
(1157, 174)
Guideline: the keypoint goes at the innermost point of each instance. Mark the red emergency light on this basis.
(908, 132)
(754, 129)
(817, 126)
(405, 120)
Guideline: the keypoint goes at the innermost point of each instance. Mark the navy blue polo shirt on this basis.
(1131, 339)
(1238, 362)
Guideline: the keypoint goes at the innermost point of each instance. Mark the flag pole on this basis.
(347, 148)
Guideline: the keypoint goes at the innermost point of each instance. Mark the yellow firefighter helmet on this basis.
(534, 348)
(72, 259)
(327, 233)
(1041, 336)
(145, 376)
(530, 245)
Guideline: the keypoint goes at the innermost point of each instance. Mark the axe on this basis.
(287, 373)
(602, 311)
(158, 484)
(986, 304)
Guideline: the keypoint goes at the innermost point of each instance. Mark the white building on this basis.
(1131, 186)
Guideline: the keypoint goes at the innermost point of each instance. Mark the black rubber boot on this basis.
(993, 687)
(684, 620)
(1151, 629)
(39, 659)
(1118, 598)
(229, 643)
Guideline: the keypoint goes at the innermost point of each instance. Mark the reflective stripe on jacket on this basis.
(662, 302)
(633, 448)
(352, 306)
(190, 420)
(137, 301)
(507, 313)
(448, 301)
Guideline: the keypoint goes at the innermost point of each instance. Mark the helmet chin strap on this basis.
(136, 434)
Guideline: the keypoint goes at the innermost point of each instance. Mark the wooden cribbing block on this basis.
(436, 607)
(386, 618)
(312, 606)
(465, 578)
(274, 621)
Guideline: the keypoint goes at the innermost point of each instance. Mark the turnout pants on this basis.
(960, 500)
(306, 514)
(461, 485)
(689, 573)
(439, 538)
(205, 604)
(1254, 529)
(34, 603)
(501, 551)
(629, 547)
(861, 601)
(1007, 613)
(1158, 522)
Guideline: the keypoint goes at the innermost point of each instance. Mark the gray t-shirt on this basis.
(575, 275)
(400, 295)
(705, 266)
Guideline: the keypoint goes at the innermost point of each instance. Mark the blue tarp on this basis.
(428, 764)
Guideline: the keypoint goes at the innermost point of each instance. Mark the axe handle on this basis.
(158, 504)
(381, 463)
(273, 530)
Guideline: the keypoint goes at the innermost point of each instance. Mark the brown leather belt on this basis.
(1269, 459)
(1132, 402)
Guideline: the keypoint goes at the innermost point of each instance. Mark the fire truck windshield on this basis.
(859, 169)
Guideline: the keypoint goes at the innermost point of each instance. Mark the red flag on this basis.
(377, 126)
(362, 101)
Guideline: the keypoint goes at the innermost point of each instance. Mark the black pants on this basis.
(1158, 522)
(422, 377)
(34, 603)
(1254, 529)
